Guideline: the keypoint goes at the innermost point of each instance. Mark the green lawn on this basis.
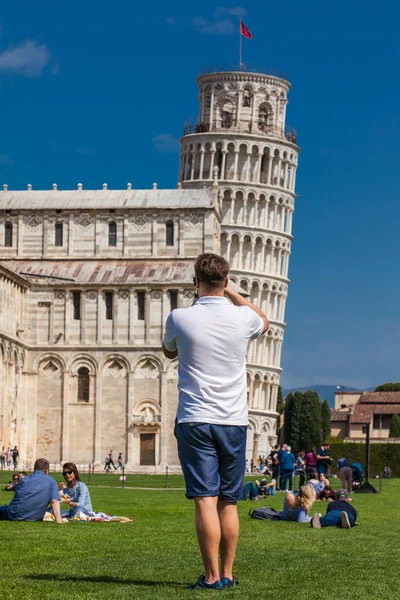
(157, 555)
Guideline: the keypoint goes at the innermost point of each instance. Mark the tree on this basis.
(310, 421)
(325, 420)
(279, 409)
(288, 413)
(395, 427)
(388, 387)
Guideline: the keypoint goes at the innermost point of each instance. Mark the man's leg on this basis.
(208, 531)
(229, 520)
(349, 480)
(331, 519)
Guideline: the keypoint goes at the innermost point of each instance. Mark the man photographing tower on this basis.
(210, 340)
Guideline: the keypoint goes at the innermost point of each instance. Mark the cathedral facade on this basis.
(88, 278)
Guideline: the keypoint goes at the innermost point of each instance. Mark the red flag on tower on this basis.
(244, 31)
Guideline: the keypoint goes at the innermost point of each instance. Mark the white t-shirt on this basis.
(211, 338)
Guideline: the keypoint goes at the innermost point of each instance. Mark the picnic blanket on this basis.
(98, 517)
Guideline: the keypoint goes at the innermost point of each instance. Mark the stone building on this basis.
(88, 278)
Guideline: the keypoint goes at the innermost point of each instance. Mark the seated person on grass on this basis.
(76, 493)
(32, 496)
(297, 506)
(252, 490)
(11, 485)
(339, 513)
(327, 494)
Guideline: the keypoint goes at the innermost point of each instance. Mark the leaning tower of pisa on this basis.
(241, 129)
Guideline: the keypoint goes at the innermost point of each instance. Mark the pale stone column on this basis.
(67, 315)
(212, 158)
(254, 221)
(201, 164)
(83, 317)
(267, 395)
(223, 164)
(253, 257)
(251, 388)
(240, 254)
(99, 316)
(131, 316)
(269, 170)
(65, 418)
(258, 170)
(125, 236)
(154, 231)
(263, 269)
(45, 235)
(256, 437)
(70, 234)
(248, 167)
(212, 108)
(131, 405)
(182, 164)
(147, 316)
(181, 235)
(164, 419)
(285, 174)
(115, 317)
(193, 155)
(228, 247)
(51, 323)
(232, 211)
(235, 170)
(19, 235)
(278, 261)
(97, 419)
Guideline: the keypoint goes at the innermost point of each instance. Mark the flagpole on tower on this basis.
(240, 43)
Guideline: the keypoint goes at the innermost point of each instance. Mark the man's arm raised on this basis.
(238, 300)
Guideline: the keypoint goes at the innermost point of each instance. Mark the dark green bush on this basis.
(381, 455)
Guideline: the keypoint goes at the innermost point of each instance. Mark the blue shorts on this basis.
(213, 459)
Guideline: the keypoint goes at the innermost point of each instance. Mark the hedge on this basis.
(381, 455)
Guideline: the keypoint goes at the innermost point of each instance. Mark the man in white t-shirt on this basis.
(210, 340)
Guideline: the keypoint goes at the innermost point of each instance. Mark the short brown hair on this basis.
(41, 464)
(211, 269)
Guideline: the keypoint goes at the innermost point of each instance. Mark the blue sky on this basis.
(97, 92)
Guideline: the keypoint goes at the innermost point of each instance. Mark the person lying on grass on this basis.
(296, 506)
(32, 496)
(76, 493)
(339, 513)
(253, 490)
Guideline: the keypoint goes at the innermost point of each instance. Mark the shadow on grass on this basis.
(101, 579)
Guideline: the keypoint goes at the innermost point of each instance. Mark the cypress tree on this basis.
(395, 427)
(295, 438)
(310, 421)
(279, 409)
(325, 420)
(288, 412)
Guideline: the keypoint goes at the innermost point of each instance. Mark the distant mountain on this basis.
(325, 392)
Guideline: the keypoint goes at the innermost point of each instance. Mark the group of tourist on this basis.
(7, 456)
(38, 494)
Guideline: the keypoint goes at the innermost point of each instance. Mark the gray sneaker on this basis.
(315, 521)
(345, 520)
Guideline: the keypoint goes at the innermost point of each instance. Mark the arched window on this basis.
(83, 384)
(169, 233)
(112, 234)
(59, 234)
(8, 235)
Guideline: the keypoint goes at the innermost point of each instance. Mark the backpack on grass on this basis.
(264, 513)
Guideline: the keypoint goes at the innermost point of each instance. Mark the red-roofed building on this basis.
(373, 408)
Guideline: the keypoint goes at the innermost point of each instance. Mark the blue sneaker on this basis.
(201, 584)
(228, 583)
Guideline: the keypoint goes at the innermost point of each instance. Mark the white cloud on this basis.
(224, 21)
(28, 59)
(6, 161)
(235, 11)
(166, 142)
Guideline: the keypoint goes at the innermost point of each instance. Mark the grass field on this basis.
(156, 556)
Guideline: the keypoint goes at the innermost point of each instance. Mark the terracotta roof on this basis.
(362, 414)
(380, 398)
(387, 409)
(339, 415)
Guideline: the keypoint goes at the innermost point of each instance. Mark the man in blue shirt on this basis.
(32, 496)
(345, 473)
(323, 459)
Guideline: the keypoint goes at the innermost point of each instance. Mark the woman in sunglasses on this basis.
(76, 494)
